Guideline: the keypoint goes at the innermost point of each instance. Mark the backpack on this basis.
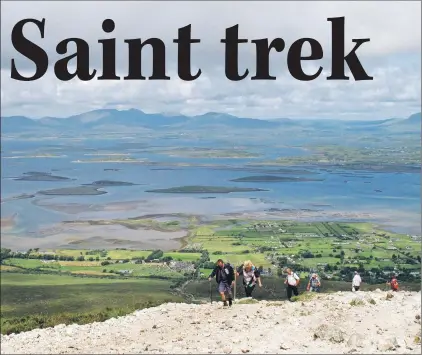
(394, 284)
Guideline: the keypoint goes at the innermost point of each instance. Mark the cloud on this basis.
(392, 57)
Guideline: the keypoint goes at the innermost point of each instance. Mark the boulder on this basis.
(386, 345)
(330, 333)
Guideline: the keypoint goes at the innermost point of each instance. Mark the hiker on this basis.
(356, 282)
(314, 283)
(292, 282)
(224, 275)
(251, 276)
(393, 283)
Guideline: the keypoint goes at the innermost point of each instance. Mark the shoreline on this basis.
(144, 231)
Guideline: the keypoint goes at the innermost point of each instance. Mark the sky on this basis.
(392, 57)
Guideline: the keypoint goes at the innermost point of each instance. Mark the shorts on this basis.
(224, 287)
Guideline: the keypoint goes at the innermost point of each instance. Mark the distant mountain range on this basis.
(115, 120)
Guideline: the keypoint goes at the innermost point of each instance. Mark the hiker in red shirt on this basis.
(394, 283)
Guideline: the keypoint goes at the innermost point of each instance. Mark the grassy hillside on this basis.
(29, 301)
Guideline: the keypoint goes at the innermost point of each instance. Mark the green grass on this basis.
(95, 268)
(357, 302)
(36, 298)
(303, 297)
(184, 256)
(238, 259)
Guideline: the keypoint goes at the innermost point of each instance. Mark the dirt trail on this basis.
(343, 322)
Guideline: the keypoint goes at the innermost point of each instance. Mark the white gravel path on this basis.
(327, 324)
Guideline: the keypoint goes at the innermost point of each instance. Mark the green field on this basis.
(28, 299)
(309, 245)
(42, 288)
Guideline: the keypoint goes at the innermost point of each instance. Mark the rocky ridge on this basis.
(342, 322)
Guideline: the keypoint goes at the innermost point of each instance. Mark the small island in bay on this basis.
(73, 191)
(17, 197)
(40, 176)
(104, 183)
(272, 178)
(204, 190)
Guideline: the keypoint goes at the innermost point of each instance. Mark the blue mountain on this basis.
(108, 119)
(16, 124)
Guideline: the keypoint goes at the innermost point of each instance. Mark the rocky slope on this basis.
(343, 322)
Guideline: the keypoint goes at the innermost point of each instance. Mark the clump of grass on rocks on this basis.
(306, 296)
(357, 302)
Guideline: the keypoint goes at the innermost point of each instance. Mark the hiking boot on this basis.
(230, 302)
(225, 304)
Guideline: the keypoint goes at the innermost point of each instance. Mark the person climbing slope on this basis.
(393, 283)
(224, 275)
(356, 282)
(251, 276)
(292, 282)
(314, 283)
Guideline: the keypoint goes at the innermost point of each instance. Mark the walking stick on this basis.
(234, 291)
(210, 292)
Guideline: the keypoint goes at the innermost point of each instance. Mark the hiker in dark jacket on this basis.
(224, 275)
(251, 277)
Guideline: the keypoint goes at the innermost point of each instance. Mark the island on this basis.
(40, 176)
(204, 190)
(272, 178)
(110, 183)
(73, 191)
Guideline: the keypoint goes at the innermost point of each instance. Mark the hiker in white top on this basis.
(356, 282)
(251, 276)
(292, 282)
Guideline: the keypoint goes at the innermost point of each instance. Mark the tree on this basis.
(156, 254)
(307, 254)
(5, 253)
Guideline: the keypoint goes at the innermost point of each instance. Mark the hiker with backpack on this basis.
(292, 282)
(251, 276)
(393, 283)
(356, 282)
(314, 283)
(224, 275)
